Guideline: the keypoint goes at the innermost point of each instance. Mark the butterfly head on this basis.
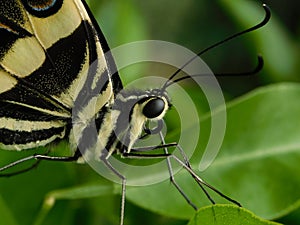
(149, 105)
(134, 109)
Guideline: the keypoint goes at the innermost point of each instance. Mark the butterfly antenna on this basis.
(259, 66)
(257, 26)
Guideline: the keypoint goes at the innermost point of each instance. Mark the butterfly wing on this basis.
(52, 65)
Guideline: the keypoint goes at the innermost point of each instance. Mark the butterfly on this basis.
(59, 81)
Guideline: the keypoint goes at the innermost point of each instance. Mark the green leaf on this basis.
(24, 193)
(87, 191)
(258, 163)
(227, 214)
(261, 150)
(6, 216)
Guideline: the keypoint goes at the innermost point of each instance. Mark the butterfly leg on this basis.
(20, 171)
(173, 181)
(38, 159)
(185, 163)
(199, 181)
(123, 179)
(171, 173)
(202, 182)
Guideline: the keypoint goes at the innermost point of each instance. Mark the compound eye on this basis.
(154, 108)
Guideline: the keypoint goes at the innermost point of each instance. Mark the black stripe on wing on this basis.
(10, 32)
(62, 66)
(19, 112)
(8, 137)
(63, 63)
(10, 17)
(87, 92)
(112, 68)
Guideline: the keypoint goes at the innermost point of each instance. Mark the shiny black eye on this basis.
(42, 8)
(154, 108)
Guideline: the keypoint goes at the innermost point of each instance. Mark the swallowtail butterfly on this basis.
(47, 67)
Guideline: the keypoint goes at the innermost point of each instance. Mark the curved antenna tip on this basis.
(268, 14)
(260, 59)
(260, 64)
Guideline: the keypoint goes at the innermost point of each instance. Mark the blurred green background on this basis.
(194, 24)
(198, 24)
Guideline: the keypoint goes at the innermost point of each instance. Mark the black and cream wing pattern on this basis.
(51, 60)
